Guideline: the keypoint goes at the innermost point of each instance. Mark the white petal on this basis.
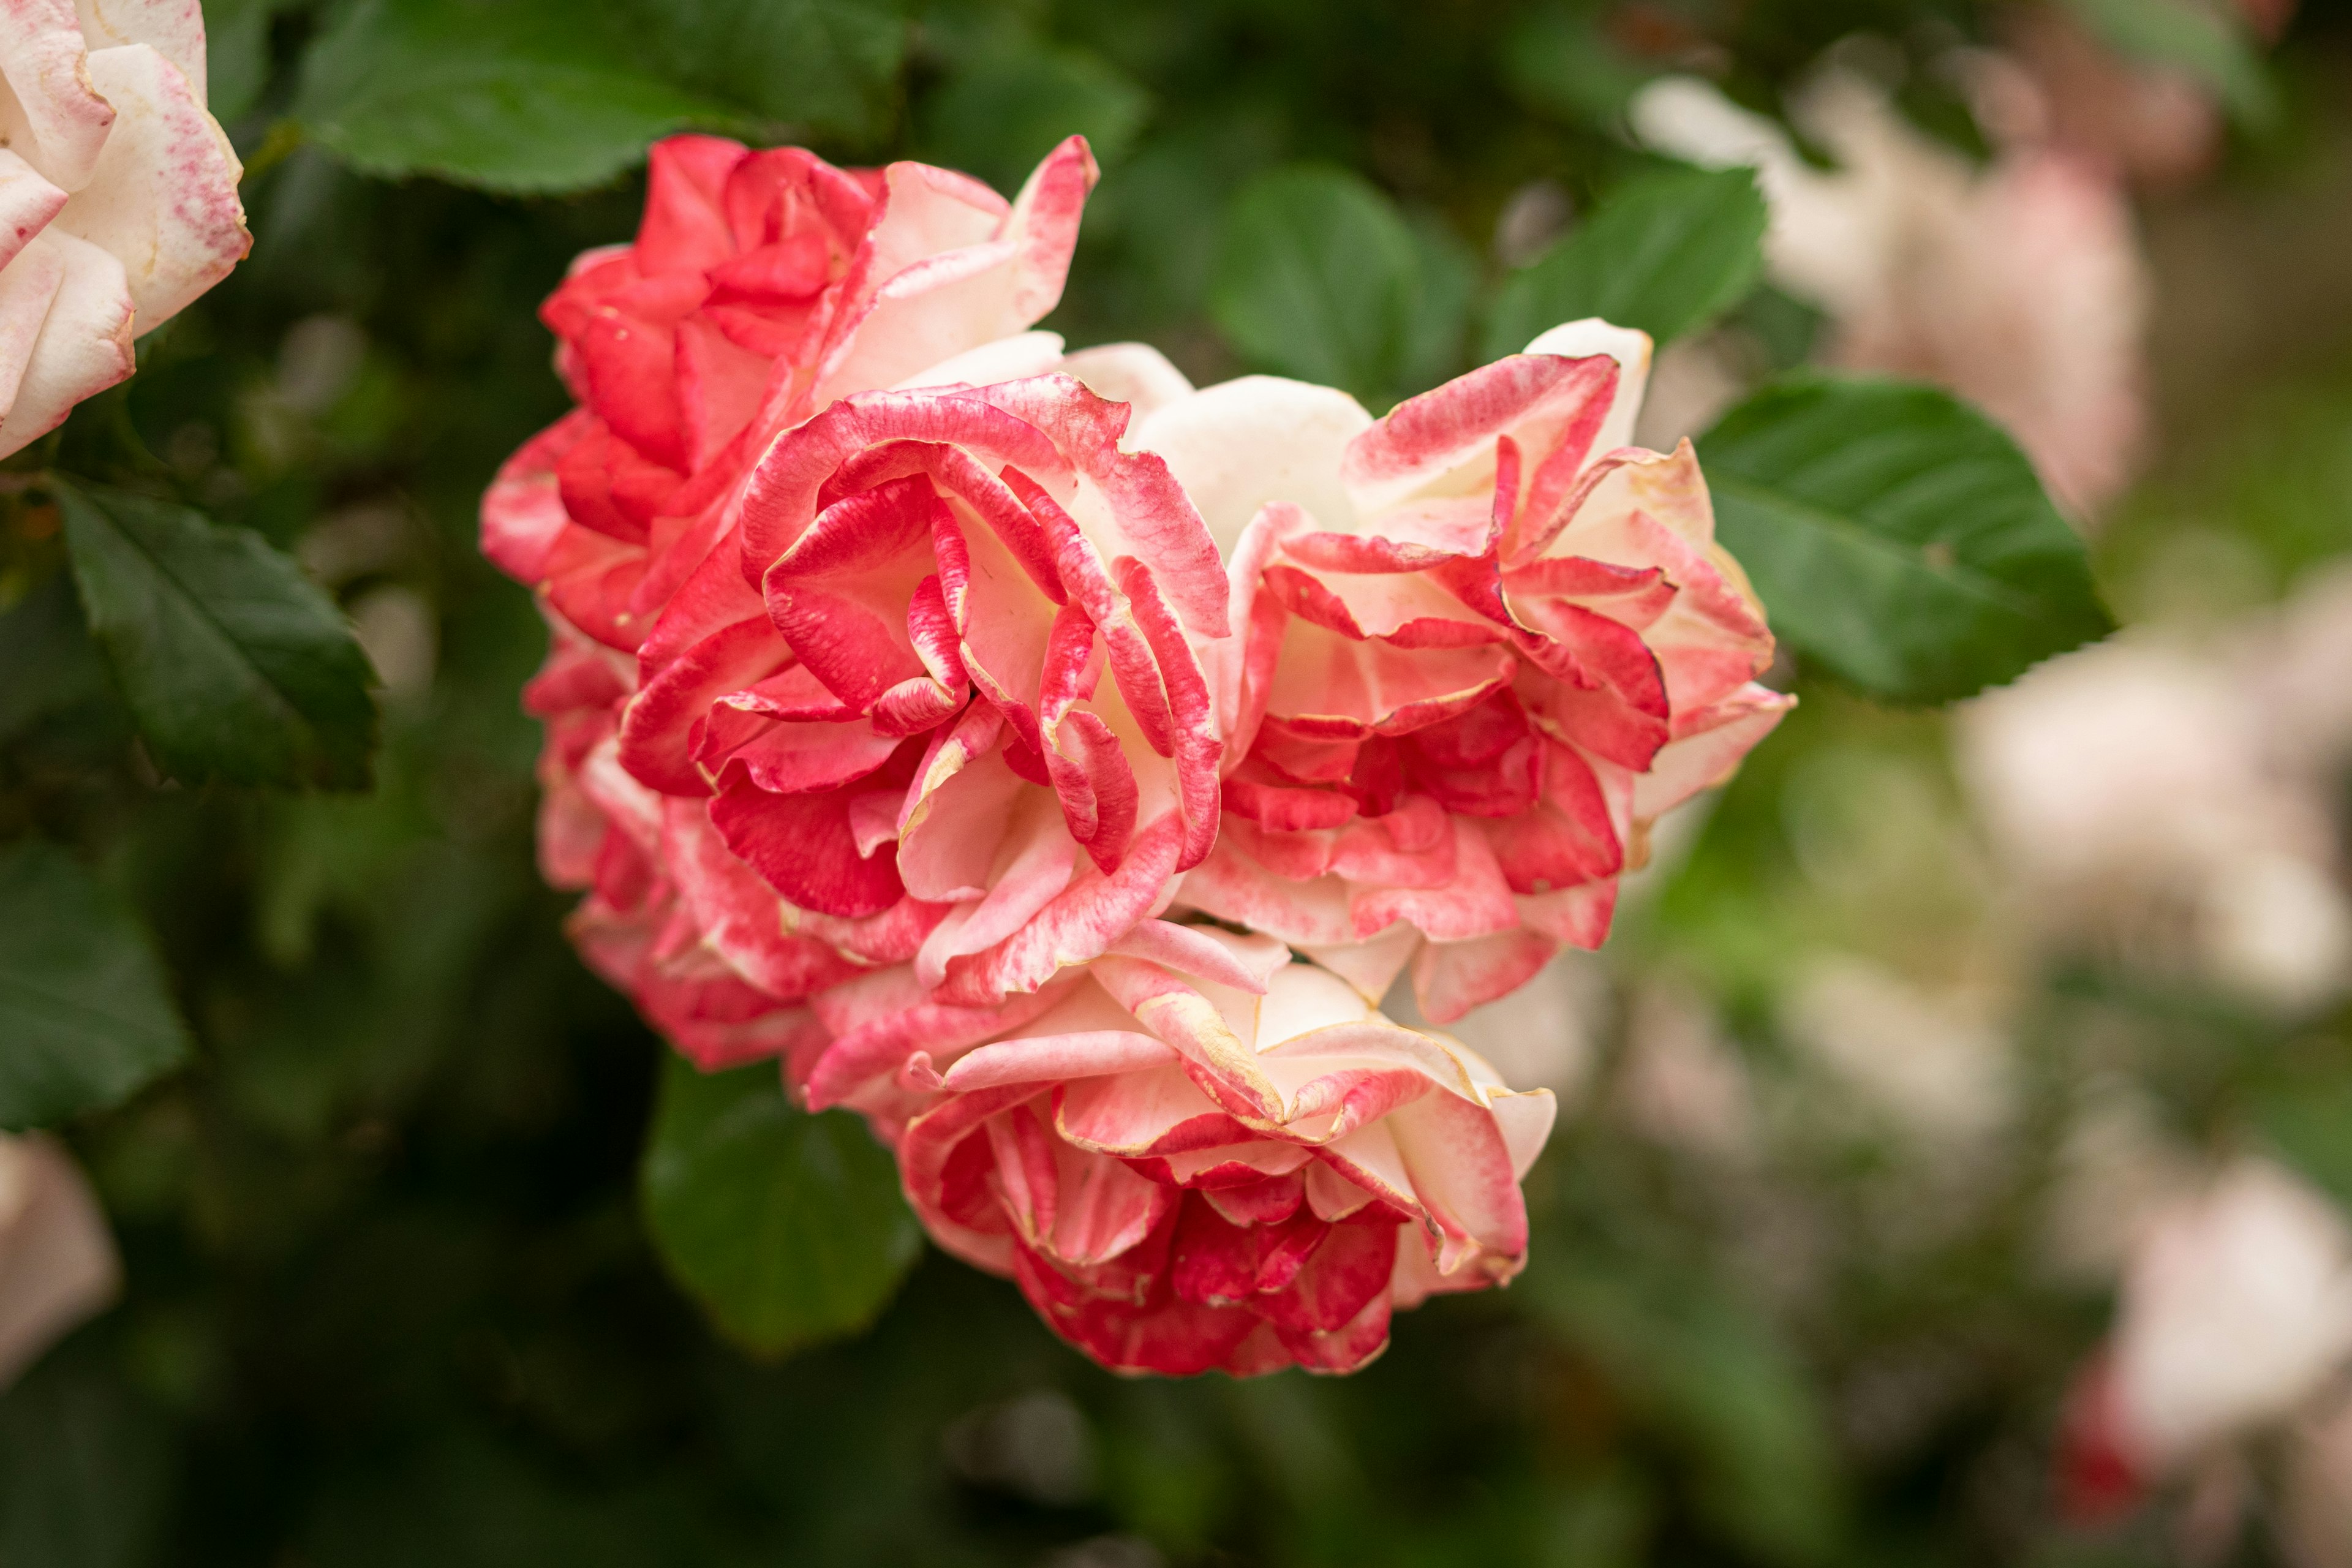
(1238, 444)
(84, 344)
(27, 204)
(175, 28)
(1629, 347)
(1005, 359)
(163, 198)
(27, 286)
(1133, 373)
(54, 117)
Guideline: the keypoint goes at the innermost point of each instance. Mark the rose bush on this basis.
(1487, 643)
(117, 197)
(1198, 1154)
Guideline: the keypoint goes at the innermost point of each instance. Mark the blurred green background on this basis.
(390, 1299)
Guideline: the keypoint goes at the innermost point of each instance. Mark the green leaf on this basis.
(515, 95)
(85, 1018)
(827, 65)
(236, 666)
(1898, 536)
(788, 1227)
(1319, 277)
(1668, 253)
(2200, 38)
(51, 663)
(998, 115)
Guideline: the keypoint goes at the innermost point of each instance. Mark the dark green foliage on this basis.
(236, 667)
(84, 1018)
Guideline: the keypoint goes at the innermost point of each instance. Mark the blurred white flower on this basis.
(58, 1263)
(2294, 661)
(2020, 287)
(2117, 1172)
(1934, 1065)
(2236, 1310)
(2125, 791)
(395, 628)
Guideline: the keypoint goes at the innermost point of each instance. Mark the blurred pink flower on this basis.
(117, 197)
(2125, 792)
(2020, 287)
(58, 1263)
(2236, 1312)
(1486, 644)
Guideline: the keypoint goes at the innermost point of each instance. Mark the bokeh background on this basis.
(1938, 1044)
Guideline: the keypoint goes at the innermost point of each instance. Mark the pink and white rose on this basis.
(1486, 642)
(117, 196)
(835, 699)
(1204, 1155)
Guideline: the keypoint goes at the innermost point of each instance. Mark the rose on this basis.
(761, 285)
(585, 511)
(1205, 1156)
(943, 673)
(1487, 644)
(118, 198)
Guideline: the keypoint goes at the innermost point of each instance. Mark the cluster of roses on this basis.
(1057, 764)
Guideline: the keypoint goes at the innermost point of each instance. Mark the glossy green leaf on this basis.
(1002, 111)
(827, 65)
(236, 666)
(85, 1017)
(2206, 40)
(788, 1227)
(1319, 277)
(515, 95)
(1898, 536)
(1668, 253)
